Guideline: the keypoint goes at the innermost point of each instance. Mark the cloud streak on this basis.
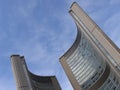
(43, 30)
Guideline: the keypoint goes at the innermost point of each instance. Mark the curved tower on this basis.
(26, 80)
(92, 62)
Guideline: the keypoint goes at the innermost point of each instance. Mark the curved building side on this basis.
(87, 63)
(26, 80)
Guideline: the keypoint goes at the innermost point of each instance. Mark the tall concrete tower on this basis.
(93, 61)
(26, 80)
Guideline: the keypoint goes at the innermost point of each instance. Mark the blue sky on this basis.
(42, 30)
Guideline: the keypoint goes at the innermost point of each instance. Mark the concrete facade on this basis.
(93, 61)
(25, 80)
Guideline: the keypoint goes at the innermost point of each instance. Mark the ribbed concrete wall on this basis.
(25, 80)
(92, 62)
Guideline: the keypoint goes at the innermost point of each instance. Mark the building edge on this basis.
(26, 80)
(95, 26)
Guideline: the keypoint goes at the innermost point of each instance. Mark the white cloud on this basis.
(27, 8)
(113, 21)
(112, 26)
(44, 47)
